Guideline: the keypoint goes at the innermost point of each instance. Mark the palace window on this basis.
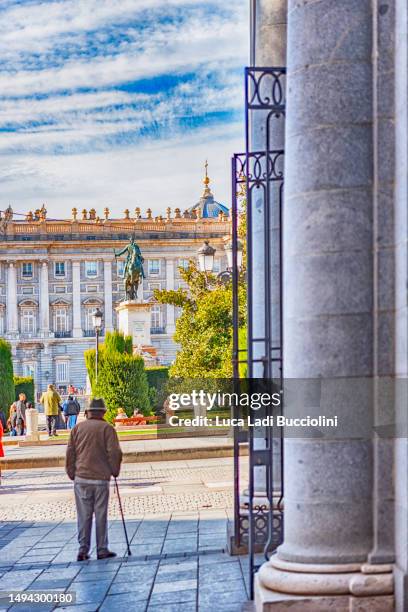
(156, 317)
(154, 266)
(29, 370)
(61, 319)
(28, 320)
(120, 267)
(27, 269)
(91, 268)
(59, 268)
(62, 371)
(1, 321)
(183, 263)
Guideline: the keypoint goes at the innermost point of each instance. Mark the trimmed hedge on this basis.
(24, 384)
(122, 380)
(6, 377)
(157, 377)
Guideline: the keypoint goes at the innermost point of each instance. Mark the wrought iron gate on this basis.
(259, 521)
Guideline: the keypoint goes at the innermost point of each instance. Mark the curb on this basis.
(176, 454)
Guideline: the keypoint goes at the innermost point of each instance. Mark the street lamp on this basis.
(228, 250)
(206, 257)
(97, 323)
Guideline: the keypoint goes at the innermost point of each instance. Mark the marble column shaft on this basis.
(76, 299)
(108, 314)
(11, 305)
(270, 50)
(170, 312)
(44, 299)
(328, 271)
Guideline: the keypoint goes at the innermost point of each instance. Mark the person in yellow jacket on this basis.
(51, 401)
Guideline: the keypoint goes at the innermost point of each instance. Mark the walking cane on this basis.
(129, 552)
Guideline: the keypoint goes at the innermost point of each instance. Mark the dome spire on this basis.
(206, 181)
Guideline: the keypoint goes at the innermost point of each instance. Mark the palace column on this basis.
(11, 304)
(76, 299)
(170, 313)
(401, 306)
(328, 315)
(268, 50)
(107, 277)
(44, 300)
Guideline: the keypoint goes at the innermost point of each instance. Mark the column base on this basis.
(280, 585)
(32, 438)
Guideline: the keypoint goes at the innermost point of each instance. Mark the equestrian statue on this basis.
(133, 273)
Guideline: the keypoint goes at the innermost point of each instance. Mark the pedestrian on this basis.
(70, 408)
(11, 422)
(51, 401)
(18, 421)
(93, 456)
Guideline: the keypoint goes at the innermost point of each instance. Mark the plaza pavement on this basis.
(176, 513)
(134, 451)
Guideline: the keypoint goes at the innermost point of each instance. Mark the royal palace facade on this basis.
(55, 273)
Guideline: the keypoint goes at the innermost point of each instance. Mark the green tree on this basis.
(204, 328)
(122, 380)
(6, 377)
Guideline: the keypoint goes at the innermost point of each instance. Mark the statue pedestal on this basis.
(134, 320)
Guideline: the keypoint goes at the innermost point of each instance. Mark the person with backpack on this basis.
(70, 409)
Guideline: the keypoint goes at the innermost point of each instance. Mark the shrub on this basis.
(24, 384)
(122, 380)
(6, 377)
(157, 377)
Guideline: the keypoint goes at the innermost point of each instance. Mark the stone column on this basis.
(44, 300)
(170, 313)
(328, 315)
(76, 299)
(108, 312)
(270, 50)
(401, 305)
(11, 305)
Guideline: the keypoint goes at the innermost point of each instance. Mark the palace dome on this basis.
(209, 208)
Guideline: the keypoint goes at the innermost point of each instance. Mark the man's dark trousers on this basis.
(52, 424)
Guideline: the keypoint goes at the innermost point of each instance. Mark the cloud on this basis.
(87, 86)
(155, 176)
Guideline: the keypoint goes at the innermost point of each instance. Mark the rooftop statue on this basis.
(133, 272)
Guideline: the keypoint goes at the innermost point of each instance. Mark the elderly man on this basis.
(51, 401)
(93, 456)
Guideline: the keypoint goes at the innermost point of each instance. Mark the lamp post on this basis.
(206, 255)
(97, 323)
(206, 260)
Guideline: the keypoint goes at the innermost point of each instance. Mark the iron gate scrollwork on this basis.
(259, 521)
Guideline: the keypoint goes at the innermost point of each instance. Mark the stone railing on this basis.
(110, 227)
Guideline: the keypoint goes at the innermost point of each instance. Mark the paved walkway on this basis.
(176, 516)
(135, 451)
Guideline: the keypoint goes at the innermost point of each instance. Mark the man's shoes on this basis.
(107, 555)
(83, 557)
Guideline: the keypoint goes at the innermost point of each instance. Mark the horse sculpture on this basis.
(133, 273)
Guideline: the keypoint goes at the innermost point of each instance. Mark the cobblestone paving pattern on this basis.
(178, 562)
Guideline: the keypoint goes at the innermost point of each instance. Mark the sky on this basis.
(119, 103)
